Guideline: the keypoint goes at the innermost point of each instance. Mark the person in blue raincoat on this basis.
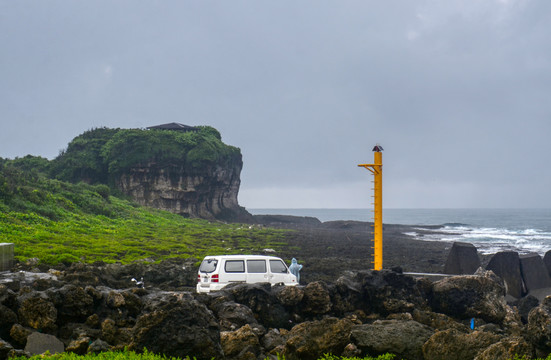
(295, 268)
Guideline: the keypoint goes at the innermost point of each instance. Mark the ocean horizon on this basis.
(490, 230)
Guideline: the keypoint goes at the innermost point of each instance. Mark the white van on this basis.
(216, 272)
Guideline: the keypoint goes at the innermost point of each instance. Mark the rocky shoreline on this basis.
(343, 307)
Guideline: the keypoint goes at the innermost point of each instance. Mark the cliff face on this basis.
(208, 193)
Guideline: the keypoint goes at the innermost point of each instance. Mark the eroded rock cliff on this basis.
(209, 192)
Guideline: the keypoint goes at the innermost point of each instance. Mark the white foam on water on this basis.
(489, 240)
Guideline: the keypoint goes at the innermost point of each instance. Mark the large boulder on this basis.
(462, 259)
(37, 311)
(507, 349)
(317, 299)
(383, 292)
(467, 296)
(7, 319)
(264, 304)
(73, 303)
(177, 325)
(506, 265)
(310, 340)
(437, 321)
(403, 338)
(232, 316)
(5, 349)
(539, 326)
(240, 344)
(455, 345)
(525, 305)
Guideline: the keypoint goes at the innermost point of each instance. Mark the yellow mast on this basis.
(377, 170)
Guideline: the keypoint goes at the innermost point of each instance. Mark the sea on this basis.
(490, 230)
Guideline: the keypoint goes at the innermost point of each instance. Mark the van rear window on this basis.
(256, 266)
(234, 266)
(208, 265)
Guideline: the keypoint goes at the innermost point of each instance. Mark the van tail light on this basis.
(198, 278)
(214, 278)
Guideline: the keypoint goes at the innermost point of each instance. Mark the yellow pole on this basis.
(377, 170)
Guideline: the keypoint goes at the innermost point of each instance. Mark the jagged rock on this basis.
(75, 304)
(79, 346)
(462, 259)
(534, 272)
(196, 331)
(98, 346)
(233, 316)
(132, 303)
(437, 321)
(7, 319)
(310, 340)
(289, 295)
(539, 326)
(7, 296)
(71, 331)
(93, 321)
(37, 311)
(468, 296)
(109, 331)
(381, 292)
(317, 299)
(240, 344)
(264, 305)
(115, 299)
(272, 339)
(454, 345)
(19, 334)
(5, 349)
(525, 305)
(351, 351)
(506, 265)
(507, 349)
(403, 338)
(39, 343)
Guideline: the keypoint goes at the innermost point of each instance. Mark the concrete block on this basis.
(506, 265)
(462, 259)
(39, 343)
(6, 256)
(547, 261)
(534, 272)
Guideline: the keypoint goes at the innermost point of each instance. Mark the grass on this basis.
(59, 222)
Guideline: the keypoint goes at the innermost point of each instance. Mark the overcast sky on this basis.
(457, 92)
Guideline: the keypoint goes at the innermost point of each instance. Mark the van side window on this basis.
(277, 266)
(256, 266)
(235, 266)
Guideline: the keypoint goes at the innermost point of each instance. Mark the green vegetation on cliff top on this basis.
(62, 222)
(101, 155)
